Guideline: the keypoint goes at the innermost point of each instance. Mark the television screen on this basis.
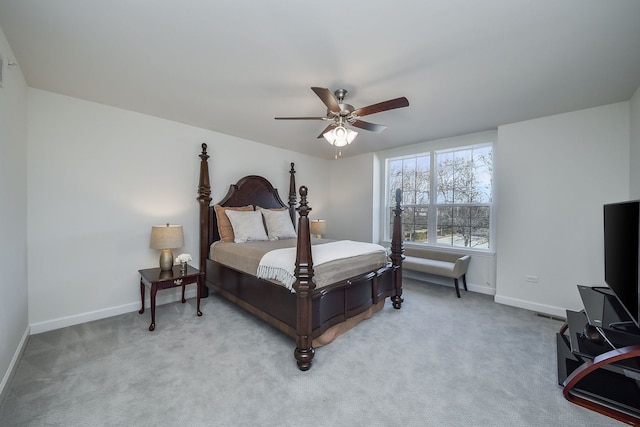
(621, 242)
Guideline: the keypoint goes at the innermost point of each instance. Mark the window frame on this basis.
(432, 151)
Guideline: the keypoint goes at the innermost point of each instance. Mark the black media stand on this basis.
(599, 357)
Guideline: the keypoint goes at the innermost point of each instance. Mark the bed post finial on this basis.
(304, 208)
(304, 286)
(293, 198)
(204, 199)
(397, 249)
(204, 188)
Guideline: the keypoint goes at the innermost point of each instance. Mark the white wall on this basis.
(14, 326)
(100, 177)
(552, 177)
(634, 157)
(352, 211)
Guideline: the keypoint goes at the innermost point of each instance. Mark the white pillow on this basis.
(279, 225)
(247, 226)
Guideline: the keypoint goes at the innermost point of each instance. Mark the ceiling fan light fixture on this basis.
(340, 136)
(339, 113)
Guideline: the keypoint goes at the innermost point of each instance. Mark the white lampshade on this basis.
(318, 227)
(340, 136)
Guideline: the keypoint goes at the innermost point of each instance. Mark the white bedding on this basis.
(279, 264)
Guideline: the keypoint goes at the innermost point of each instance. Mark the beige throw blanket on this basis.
(279, 264)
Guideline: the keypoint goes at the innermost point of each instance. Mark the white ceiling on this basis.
(232, 66)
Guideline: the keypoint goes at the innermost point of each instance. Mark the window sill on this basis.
(445, 248)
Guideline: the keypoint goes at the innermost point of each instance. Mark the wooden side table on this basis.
(155, 279)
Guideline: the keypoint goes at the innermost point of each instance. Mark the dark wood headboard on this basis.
(250, 190)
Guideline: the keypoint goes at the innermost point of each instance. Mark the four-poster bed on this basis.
(308, 311)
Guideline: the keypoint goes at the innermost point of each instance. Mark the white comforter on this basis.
(279, 264)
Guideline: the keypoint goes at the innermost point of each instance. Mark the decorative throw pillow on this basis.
(278, 222)
(224, 225)
(247, 226)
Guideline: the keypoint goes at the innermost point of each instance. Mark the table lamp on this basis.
(166, 237)
(318, 227)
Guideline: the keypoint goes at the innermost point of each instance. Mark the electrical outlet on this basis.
(532, 279)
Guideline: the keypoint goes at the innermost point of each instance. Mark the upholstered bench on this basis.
(438, 263)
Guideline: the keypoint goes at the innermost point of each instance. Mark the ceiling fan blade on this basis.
(300, 118)
(327, 97)
(368, 126)
(328, 128)
(382, 106)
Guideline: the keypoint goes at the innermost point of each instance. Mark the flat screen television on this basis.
(621, 254)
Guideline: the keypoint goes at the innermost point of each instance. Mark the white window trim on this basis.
(440, 145)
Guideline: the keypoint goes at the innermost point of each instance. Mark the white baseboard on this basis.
(558, 312)
(14, 362)
(487, 290)
(550, 310)
(63, 322)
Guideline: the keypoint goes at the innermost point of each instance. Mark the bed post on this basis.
(293, 198)
(303, 286)
(397, 250)
(204, 199)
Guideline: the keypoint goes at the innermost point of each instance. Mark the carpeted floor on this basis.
(439, 361)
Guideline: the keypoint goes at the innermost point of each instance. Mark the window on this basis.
(446, 196)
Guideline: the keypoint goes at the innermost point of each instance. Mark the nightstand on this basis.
(155, 279)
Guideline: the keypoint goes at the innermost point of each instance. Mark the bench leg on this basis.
(464, 281)
(457, 287)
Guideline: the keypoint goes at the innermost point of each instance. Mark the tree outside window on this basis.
(447, 196)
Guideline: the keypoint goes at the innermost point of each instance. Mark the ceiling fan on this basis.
(341, 114)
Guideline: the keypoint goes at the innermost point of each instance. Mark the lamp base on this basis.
(166, 260)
